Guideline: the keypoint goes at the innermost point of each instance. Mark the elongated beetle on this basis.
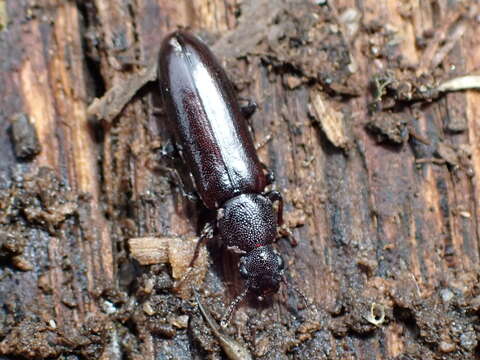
(212, 137)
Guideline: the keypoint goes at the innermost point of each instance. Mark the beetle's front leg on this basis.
(205, 235)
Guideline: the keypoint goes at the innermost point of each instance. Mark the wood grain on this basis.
(395, 224)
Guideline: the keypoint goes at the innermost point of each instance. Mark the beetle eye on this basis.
(243, 270)
(281, 264)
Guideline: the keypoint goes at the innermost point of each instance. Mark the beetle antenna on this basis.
(307, 302)
(233, 305)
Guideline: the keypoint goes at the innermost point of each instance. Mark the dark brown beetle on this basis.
(212, 137)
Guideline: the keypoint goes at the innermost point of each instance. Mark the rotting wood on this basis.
(330, 120)
(114, 100)
(176, 252)
(395, 225)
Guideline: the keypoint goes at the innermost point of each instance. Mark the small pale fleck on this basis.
(468, 340)
(447, 346)
(148, 287)
(446, 295)
(109, 307)
(461, 83)
(376, 315)
(148, 309)
(330, 119)
(180, 322)
(21, 263)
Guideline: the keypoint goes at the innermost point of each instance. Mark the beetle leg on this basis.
(168, 151)
(171, 155)
(192, 196)
(274, 196)
(247, 107)
(176, 179)
(205, 235)
(264, 142)
(283, 230)
(269, 174)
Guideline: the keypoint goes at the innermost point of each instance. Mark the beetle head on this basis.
(262, 268)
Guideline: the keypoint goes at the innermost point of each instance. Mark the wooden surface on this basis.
(379, 171)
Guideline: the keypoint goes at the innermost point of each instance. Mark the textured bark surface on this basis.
(380, 173)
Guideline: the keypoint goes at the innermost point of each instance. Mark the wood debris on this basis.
(176, 251)
(331, 121)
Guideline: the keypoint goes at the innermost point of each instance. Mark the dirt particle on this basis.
(446, 295)
(293, 82)
(350, 19)
(35, 338)
(148, 309)
(148, 286)
(448, 153)
(39, 198)
(468, 340)
(295, 37)
(475, 303)
(376, 315)
(447, 346)
(24, 137)
(69, 300)
(180, 322)
(331, 120)
(390, 91)
(392, 128)
(164, 330)
(108, 307)
(44, 284)
(21, 263)
(262, 345)
(12, 243)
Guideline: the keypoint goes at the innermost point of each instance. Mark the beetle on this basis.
(212, 136)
